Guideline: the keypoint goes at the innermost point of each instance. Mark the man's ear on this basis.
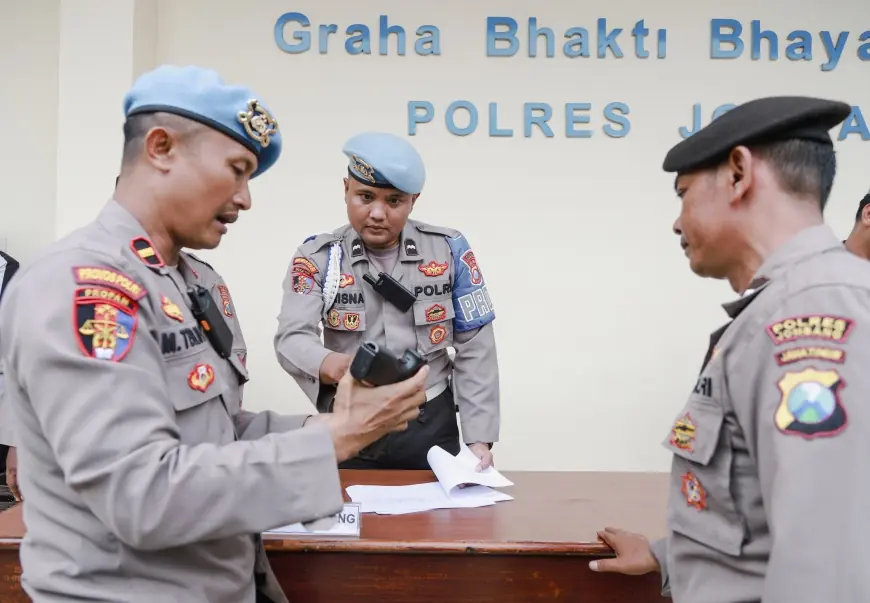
(346, 186)
(865, 215)
(161, 148)
(740, 175)
(414, 200)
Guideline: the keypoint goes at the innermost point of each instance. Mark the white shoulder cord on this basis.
(332, 278)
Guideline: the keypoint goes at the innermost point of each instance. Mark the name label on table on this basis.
(348, 523)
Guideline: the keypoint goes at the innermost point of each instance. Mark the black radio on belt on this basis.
(209, 318)
(391, 290)
(373, 364)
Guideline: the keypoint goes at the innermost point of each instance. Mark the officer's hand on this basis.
(363, 414)
(333, 367)
(12, 472)
(633, 556)
(482, 452)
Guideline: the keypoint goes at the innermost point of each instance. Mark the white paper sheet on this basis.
(444, 494)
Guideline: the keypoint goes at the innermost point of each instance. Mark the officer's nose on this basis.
(377, 212)
(242, 198)
(678, 227)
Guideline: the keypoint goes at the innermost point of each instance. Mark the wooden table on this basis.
(533, 548)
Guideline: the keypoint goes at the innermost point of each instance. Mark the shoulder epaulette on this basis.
(196, 259)
(317, 242)
(445, 231)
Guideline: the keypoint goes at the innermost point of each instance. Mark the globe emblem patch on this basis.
(810, 405)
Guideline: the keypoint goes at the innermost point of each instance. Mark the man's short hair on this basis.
(804, 168)
(861, 205)
(136, 127)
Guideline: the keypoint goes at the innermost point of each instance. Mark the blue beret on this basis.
(385, 161)
(201, 95)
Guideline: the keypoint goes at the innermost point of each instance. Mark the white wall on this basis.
(601, 326)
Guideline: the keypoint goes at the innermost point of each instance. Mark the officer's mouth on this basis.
(224, 219)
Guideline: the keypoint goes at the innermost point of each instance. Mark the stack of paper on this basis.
(459, 485)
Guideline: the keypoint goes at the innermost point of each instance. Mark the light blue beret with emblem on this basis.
(201, 95)
(385, 161)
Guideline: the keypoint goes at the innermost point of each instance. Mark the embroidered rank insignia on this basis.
(145, 251)
(304, 265)
(683, 433)
(411, 247)
(171, 309)
(105, 323)
(356, 248)
(346, 281)
(95, 275)
(696, 495)
(201, 377)
(433, 268)
(793, 355)
(302, 284)
(225, 300)
(435, 313)
(469, 260)
(810, 406)
(351, 321)
(437, 334)
(832, 328)
(333, 318)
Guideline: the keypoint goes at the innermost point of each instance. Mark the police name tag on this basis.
(347, 524)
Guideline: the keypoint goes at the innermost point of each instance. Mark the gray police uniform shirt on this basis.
(453, 309)
(144, 479)
(769, 482)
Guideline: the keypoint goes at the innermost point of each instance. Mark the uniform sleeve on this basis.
(810, 424)
(297, 342)
(659, 550)
(475, 374)
(249, 425)
(110, 421)
(5, 415)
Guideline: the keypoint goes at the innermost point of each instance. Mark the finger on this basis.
(411, 386)
(605, 565)
(608, 538)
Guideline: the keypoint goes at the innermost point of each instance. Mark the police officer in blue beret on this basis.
(402, 284)
(144, 479)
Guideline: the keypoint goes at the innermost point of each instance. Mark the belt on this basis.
(436, 390)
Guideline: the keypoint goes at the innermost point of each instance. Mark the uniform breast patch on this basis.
(171, 309)
(346, 281)
(105, 323)
(433, 268)
(810, 405)
(201, 377)
(832, 328)
(693, 490)
(437, 334)
(683, 433)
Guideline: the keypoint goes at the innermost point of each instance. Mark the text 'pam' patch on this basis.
(95, 275)
(832, 328)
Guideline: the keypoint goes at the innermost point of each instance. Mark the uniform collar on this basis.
(409, 249)
(808, 242)
(117, 219)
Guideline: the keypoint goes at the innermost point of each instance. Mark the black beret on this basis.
(759, 121)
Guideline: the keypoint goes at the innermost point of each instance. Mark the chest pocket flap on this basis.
(194, 380)
(702, 506)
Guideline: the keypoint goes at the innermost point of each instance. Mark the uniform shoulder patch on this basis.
(811, 326)
(145, 251)
(810, 405)
(471, 302)
(104, 322)
(317, 242)
(108, 277)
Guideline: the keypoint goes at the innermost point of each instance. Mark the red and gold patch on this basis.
(351, 321)
(171, 309)
(683, 433)
(201, 377)
(304, 265)
(437, 334)
(105, 322)
(226, 302)
(435, 313)
(696, 495)
(433, 268)
(346, 281)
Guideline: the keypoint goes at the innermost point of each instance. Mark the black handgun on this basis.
(375, 365)
(391, 290)
(378, 366)
(209, 318)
